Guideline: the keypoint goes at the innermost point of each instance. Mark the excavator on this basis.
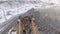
(26, 25)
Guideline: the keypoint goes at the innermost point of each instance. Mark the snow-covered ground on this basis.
(14, 11)
(7, 9)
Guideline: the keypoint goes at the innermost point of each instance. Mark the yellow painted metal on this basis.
(32, 27)
(20, 27)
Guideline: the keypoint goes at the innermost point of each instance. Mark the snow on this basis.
(14, 32)
(9, 16)
(17, 8)
(2, 20)
(5, 19)
(14, 11)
